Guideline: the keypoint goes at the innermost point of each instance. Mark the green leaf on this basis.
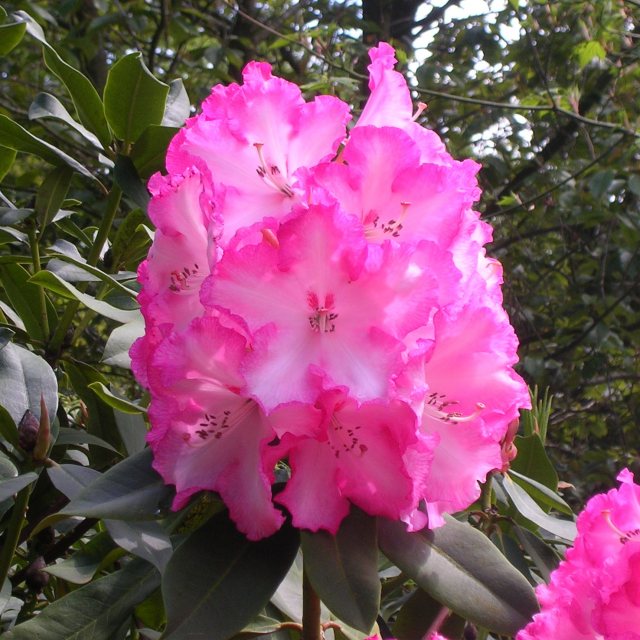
(541, 493)
(101, 421)
(52, 193)
(25, 299)
(14, 136)
(130, 490)
(126, 406)
(10, 36)
(178, 106)
(47, 106)
(462, 569)
(127, 178)
(343, 569)
(418, 614)
(85, 98)
(7, 156)
(219, 581)
(133, 431)
(24, 379)
(8, 428)
(149, 151)
(145, 539)
(133, 98)
(68, 436)
(526, 506)
(542, 554)
(94, 611)
(9, 215)
(116, 351)
(13, 485)
(532, 461)
(58, 285)
(82, 565)
(585, 52)
(71, 479)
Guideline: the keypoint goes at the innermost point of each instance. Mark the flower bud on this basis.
(28, 431)
(35, 578)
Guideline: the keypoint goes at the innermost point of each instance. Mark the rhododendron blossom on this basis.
(320, 299)
(595, 592)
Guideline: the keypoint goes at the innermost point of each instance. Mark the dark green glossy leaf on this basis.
(343, 569)
(13, 485)
(150, 149)
(462, 569)
(85, 98)
(9, 215)
(133, 431)
(52, 193)
(526, 506)
(532, 461)
(47, 106)
(71, 479)
(219, 581)
(7, 156)
(69, 436)
(14, 136)
(127, 178)
(56, 284)
(94, 611)
(10, 36)
(542, 554)
(101, 422)
(8, 428)
(130, 490)
(24, 379)
(145, 539)
(133, 98)
(417, 616)
(115, 402)
(82, 565)
(25, 299)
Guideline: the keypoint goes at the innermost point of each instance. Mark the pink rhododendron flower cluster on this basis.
(595, 593)
(322, 296)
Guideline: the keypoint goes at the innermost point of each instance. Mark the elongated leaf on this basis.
(82, 565)
(541, 493)
(418, 614)
(85, 98)
(150, 149)
(67, 436)
(58, 285)
(145, 539)
(13, 485)
(101, 423)
(532, 461)
(219, 581)
(47, 106)
(115, 401)
(24, 378)
(52, 193)
(71, 479)
(10, 215)
(462, 569)
(8, 428)
(130, 490)
(542, 555)
(94, 611)
(14, 136)
(133, 98)
(178, 107)
(10, 36)
(7, 156)
(116, 351)
(25, 298)
(526, 506)
(343, 569)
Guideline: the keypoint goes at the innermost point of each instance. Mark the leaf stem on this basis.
(311, 627)
(13, 532)
(37, 266)
(113, 202)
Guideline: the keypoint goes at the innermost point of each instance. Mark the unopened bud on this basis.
(470, 632)
(43, 441)
(35, 578)
(28, 431)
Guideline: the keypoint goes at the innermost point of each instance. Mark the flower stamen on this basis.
(271, 173)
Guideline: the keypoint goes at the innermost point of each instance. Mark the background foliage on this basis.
(542, 93)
